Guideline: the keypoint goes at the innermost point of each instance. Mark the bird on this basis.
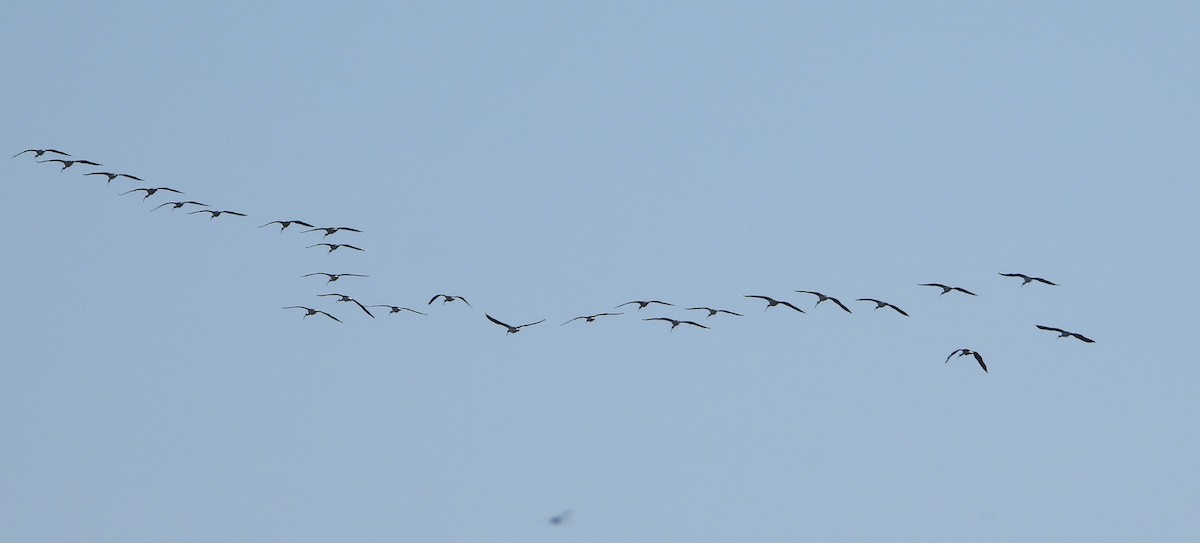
(216, 214)
(397, 309)
(881, 303)
(590, 318)
(511, 329)
(334, 276)
(675, 323)
(1063, 333)
(150, 192)
(68, 163)
(560, 518)
(284, 224)
(312, 312)
(112, 176)
(712, 311)
(946, 288)
(344, 298)
(448, 298)
(334, 246)
(965, 352)
(333, 230)
(772, 302)
(179, 204)
(822, 298)
(643, 303)
(37, 153)
(1026, 279)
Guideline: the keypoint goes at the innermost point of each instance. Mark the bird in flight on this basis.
(334, 246)
(590, 318)
(179, 204)
(511, 329)
(772, 302)
(881, 303)
(216, 214)
(112, 176)
(448, 298)
(560, 518)
(150, 192)
(344, 298)
(333, 230)
(68, 163)
(966, 352)
(675, 323)
(334, 277)
(396, 308)
(712, 311)
(643, 303)
(1063, 333)
(946, 288)
(284, 224)
(37, 153)
(1026, 279)
(312, 312)
(822, 298)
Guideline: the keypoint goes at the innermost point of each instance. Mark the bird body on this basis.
(511, 329)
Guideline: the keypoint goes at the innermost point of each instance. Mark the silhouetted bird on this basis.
(675, 323)
(68, 163)
(334, 246)
(560, 518)
(333, 230)
(772, 302)
(1025, 279)
(511, 329)
(397, 309)
(312, 312)
(284, 224)
(37, 153)
(448, 298)
(178, 204)
(1063, 333)
(112, 176)
(216, 214)
(946, 288)
(643, 303)
(881, 303)
(965, 352)
(822, 298)
(344, 298)
(334, 276)
(590, 318)
(150, 192)
(712, 311)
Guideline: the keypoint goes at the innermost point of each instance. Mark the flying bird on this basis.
(590, 318)
(448, 298)
(179, 204)
(675, 323)
(333, 230)
(712, 311)
(312, 312)
(334, 246)
(822, 298)
(216, 214)
(284, 224)
(772, 302)
(37, 153)
(68, 163)
(560, 518)
(643, 303)
(150, 192)
(965, 352)
(344, 298)
(397, 309)
(112, 176)
(1063, 333)
(881, 303)
(334, 276)
(946, 288)
(511, 329)
(1026, 279)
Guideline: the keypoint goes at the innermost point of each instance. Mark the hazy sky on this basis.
(549, 160)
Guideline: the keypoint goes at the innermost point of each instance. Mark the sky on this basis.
(548, 160)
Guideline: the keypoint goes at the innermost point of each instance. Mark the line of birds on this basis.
(511, 329)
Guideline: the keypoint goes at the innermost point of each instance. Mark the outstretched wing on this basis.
(1051, 328)
(730, 312)
(1040, 280)
(1081, 337)
(490, 318)
(841, 305)
(979, 358)
(898, 310)
(333, 317)
(532, 323)
(362, 307)
(792, 306)
(960, 289)
(572, 320)
(693, 323)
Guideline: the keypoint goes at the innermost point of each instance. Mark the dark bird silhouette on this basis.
(881, 303)
(334, 276)
(312, 312)
(150, 192)
(37, 153)
(1026, 279)
(448, 298)
(675, 323)
(179, 204)
(284, 224)
(344, 298)
(333, 230)
(712, 311)
(643, 303)
(68, 163)
(215, 213)
(822, 298)
(965, 352)
(590, 318)
(560, 518)
(946, 288)
(334, 246)
(397, 309)
(772, 302)
(1063, 333)
(112, 176)
(511, 329)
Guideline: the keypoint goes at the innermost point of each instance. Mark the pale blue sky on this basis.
(549, 160)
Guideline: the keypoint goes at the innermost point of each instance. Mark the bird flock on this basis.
(68, 161)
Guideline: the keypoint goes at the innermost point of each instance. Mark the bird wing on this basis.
(757, 296)
(898, 310)
(54, 151)
(490, 318)
(134, 190)
(1052, 329)
(333, 294)
(659, 302)
(88, 162)
(348, 229)
(1045, 281)
(214, 213)
(960, 289)
(301, 223)
(133, 177)
(1082, 338)
(234, 213)
(272, 222)
(25, 151)
(164, 204)
(169, 189)
(434, 298)
(414, 311)
(313, 230)
(693, 323)
(316, 273)
(532, 323)
(352, 275)
(792, 306)
(627, 303)
(363, 307)
(841, 305)
(572, 320)
(956, 351)
(979, 358)
(730, 312)
(351, 246)
(335, 318)
(1022, 276)
(315, 244)
(817, 294)
(658, 319)
(297, 307)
